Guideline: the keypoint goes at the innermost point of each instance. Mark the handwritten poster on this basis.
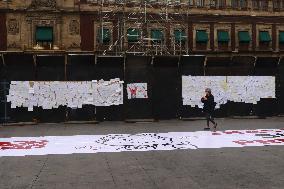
(248, 89)
(75, 94)
(137, 90)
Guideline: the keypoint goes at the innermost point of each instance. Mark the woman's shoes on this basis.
(215, 126)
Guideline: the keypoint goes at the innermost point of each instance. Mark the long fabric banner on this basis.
(22, 146)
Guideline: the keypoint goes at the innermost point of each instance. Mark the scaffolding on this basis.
(117, 17)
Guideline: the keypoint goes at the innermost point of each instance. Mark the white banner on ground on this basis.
(44, 145)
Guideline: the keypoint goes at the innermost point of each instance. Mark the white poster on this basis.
(137, 90)
(75, 94)
(248, 89)
(107, 93)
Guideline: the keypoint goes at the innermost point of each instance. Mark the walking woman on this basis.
(208, 108)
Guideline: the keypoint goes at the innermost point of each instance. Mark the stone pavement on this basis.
(228, 168)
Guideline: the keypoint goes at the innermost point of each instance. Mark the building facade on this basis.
(151, 27)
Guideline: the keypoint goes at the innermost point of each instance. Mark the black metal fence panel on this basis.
(81, 67)
(50, 68)
(110, 67)
(190, 65)
(241, 66)
(218, 66)
(138, 69)
(280, 86)
(166, 87)
(18, 67)
(161, 74)
(3, 91)
(266, 66)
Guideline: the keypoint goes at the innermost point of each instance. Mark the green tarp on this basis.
(201, 36)
(244, 37)
(133, 35)
(179, 35)
(44, 34)
(223, 36)
(264, 36)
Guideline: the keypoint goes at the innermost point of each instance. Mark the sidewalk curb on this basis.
(81, 122)
(19, 124)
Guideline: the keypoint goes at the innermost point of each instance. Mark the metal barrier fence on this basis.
(161, 73)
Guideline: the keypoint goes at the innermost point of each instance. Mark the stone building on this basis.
(173, 27)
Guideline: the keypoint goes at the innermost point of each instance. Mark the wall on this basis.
(3, 32)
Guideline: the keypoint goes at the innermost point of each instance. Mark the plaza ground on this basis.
(228, 168)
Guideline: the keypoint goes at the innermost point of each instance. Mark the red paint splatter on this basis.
(133, 91)
(233, 132)
(282, 140)
(265, 142)
(243, 142)
(252, 131)
(23, 145)
(216, 134)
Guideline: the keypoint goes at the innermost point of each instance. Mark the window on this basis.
(157, 35)
(255, 4)
(264, 36)
(44, 36)
(104, 36)
(239, 4)
(190, 2)
(281, 40)
(223, 39)
(133, 35)
(244, 37)
(151, 1)
(243, 4)
(235, 3)
(244, 40)
(223, 36)
(264, 40)
(200, 3)
(201, 36)
(260, 4)
(281, 37)
(278, 5)
(90, 1)
(201, 39)
(222, 3)
(213, 3)
(263, 4)
(179, 36)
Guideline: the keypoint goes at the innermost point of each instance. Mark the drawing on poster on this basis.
(137, 90)
(248, 89)
(44, 145)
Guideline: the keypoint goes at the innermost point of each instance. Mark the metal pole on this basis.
(5, 102)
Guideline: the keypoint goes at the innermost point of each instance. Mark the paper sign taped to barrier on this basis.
(137, 90)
